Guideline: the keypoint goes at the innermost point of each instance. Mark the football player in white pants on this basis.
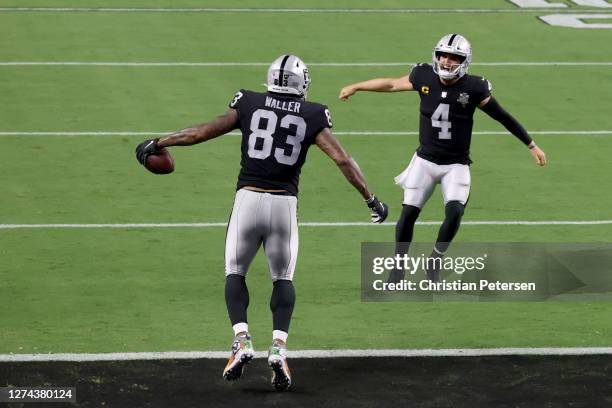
(277, 129)
(449, 98)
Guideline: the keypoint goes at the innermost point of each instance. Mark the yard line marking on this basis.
(91, 133)
(179, 355)
(347, 133)
(312, 64)
(301, 224)
(291, 10)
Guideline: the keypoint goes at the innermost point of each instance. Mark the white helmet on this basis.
(288, 75)
(454, 44)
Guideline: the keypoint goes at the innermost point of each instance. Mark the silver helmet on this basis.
(289, 75)
(454, 44)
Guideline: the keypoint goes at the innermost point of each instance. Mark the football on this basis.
(160, 163)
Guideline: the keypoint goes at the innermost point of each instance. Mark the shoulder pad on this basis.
(328, 118)
(234, 102)
(487, 82)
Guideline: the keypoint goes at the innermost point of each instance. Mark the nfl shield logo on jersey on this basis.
(463, 99)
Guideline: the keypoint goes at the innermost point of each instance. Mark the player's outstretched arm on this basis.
(377, 85)
(492, 108)
(348, 166)
(331, 147)
(190, 136)
(202, 132)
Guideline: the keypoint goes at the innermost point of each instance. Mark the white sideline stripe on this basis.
(175, 355)
(347, 133)
(312, 64)
(302, 224)
(289, 10)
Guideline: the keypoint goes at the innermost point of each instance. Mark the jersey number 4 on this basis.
(439, 119)
(265, 134)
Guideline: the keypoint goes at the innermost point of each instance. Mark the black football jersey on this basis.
(446, 114)
(277, 131)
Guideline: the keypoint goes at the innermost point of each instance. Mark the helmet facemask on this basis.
(454, 71)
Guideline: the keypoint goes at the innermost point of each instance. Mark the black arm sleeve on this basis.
(494, 110)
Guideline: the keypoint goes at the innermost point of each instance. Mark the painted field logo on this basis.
(583, 20)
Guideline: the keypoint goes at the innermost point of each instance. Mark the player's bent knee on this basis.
(454, 209)
(410, 212)
(232, 271)
(282, 269)
(413, 200)
(284, 276)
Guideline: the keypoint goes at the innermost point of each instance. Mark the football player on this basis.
(277, 129)
(449, 97)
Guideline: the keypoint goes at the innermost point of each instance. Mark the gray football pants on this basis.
(262, 218)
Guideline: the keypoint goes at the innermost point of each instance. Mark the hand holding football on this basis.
(160, 163)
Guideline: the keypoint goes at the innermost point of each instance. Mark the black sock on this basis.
(281, 304)
(404, 230)
(236, 298)
(452, 220)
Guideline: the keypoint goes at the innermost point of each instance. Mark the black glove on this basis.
(380, 210)
(145, 149)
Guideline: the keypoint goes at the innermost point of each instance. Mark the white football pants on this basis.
(421, 176)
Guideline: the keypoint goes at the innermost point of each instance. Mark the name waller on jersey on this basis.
(289, 106)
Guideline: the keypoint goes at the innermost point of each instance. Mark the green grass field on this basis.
(157, 289)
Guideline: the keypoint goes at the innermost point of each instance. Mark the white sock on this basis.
(240, 327)
(280, 335)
